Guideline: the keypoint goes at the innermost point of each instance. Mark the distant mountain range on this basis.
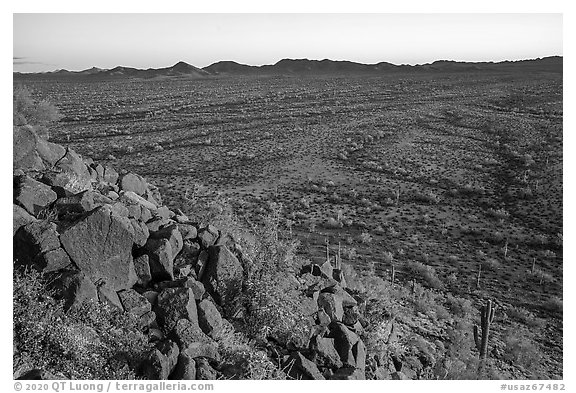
(303, 67)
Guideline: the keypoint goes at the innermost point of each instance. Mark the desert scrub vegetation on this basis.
(27, 110)
(271, 297)
(424, 273)
(92, 341)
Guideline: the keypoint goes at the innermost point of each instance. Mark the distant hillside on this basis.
(305, 67)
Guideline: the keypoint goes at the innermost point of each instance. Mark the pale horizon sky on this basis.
(45, 42)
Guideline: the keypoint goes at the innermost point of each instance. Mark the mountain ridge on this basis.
(305, 66)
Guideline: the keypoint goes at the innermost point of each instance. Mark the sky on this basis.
(49, 41)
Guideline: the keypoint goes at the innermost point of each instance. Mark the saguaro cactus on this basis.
(487, 313)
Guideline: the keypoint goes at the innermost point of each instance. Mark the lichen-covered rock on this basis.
(174, 304)
(100, 243)
(70, 173)
(32, 195)
(134, 303)
(36, 244)
(133, 182)
(223, 278)
(209, 318)
(20, 217)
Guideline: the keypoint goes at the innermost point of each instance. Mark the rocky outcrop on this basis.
(103, 235)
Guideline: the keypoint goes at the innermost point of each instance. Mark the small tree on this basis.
(26, 110)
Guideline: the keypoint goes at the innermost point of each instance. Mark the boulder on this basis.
(347, 299)
(186, 332)
(349, 373)
(109, 175)
(109, 296)
(332, 305)
(344, 341)
(185, 369)
(157, 366)
(188, 231)
(131, 198)
(81, 202)
(172, 234)
(208, 236)
(201, 264)
(161, 259)
(141, 233)
(174, 304)
(142, 268)
(36, 244)
(24, 151)
(73, 287)
(164, 212)
(133, 182)
(223, 278)
(326, 354)
(100, 243)
(134, 303)
(70, 173)
(32, 195)
(209, 319)
(301, 368)
(20, 217)
(204, 371)
(202, 349)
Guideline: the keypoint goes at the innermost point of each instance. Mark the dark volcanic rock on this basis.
(303, 368)
(186, 332)
(326, 352)
(174, 304)
(185, 369)
(209, 318)
(37, 244)
(223, 278)
(20, 217)
(133, 182)
(134, 303)
(142, 268)
(70, 173)
(100, 244)
(161, 259)
(32, 195)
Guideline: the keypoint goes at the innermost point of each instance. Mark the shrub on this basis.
(26, 110)
(271, 298)
(93, 341)
(424, 273)
(521, 351)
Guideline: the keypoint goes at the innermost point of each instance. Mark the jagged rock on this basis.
(24, 152)
(32, 195)
(145, 214)
(169, 349)
(20, 217)
(73, 286)
(347, 299)
(133, 182)
(326, 269)
(204, 371)
(185, 369)
(109, 175)
(157, 366)
(186, 332)
(209, 319)
(349, 373)
(37, 244)
(108, 295)
(208, 236)
(326, 352)
(100, 244)
(134, 303)
(147, 319)
(142, 268)
(134, 211)
(71, 173)
(189, 232)
(161, 259)
(322, 318)
(332, 305)
(172, 234)
(119, 209)
(223, 278)
(131, 198)
(202, 349)
(174, 304)
(359, 352)
(141, 233)
(81, 202)
(153, 195)
(158, 223)
(302, 368)
(344, 341)
(164, 213)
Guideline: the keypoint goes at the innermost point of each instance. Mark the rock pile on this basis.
(104, 235)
